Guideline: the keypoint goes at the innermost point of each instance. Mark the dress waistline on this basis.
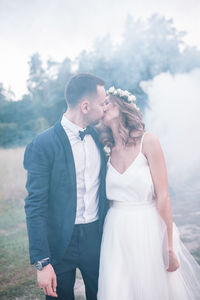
(132, 205)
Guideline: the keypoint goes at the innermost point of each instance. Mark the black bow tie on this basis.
(82, 134)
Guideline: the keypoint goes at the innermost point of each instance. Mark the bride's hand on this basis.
(173, 262)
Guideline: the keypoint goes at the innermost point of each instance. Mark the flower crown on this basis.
(124, 95)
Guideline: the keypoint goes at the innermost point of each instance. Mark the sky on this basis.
(60, 28)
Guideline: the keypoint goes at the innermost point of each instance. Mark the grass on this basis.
(17, 276)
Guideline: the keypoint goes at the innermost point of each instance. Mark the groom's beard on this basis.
(95, 123)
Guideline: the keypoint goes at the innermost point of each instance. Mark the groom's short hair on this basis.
(81, 85)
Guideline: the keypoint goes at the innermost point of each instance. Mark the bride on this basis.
(142, 257)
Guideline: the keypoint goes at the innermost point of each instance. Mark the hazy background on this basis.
(61, 28)
(151, 48)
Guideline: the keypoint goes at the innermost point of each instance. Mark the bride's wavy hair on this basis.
(130, 122)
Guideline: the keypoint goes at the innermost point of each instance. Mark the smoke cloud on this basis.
(173, 114)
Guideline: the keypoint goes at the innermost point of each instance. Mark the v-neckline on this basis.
(128, 166)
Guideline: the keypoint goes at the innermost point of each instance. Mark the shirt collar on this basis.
(67, 124)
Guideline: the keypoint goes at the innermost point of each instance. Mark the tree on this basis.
(2, 94)
(37, 78)
(147, 49)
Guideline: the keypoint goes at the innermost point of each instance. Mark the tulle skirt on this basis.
(134, 258)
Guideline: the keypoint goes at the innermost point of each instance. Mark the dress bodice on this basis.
(135, 185)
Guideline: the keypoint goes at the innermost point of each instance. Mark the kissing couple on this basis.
(106, 213)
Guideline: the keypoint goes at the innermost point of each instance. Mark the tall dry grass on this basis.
(17, 277)
(12, 175)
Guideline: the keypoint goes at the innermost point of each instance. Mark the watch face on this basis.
(38, 265)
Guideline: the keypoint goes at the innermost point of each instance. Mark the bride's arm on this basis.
(152, 150)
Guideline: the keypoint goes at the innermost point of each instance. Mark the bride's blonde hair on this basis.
(130, 123)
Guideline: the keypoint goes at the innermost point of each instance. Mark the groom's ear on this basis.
(85, 106)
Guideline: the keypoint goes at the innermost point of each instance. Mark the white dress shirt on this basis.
(87, 165)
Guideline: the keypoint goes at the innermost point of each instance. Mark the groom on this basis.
(66, 203)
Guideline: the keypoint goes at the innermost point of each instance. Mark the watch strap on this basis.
(42, 263)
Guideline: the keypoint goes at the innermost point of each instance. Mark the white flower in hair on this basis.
(124, 95)
(111, 89)
(121, 93)
(132, 98)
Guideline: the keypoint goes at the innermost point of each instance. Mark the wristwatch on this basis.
(40, 264)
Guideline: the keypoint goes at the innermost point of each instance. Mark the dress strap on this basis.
(141, 143)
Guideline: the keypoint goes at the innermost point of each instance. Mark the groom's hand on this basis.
(47, 280)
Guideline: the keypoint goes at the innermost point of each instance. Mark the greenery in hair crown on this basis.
(124, 95)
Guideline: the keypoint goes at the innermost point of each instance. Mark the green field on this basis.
(17, 277)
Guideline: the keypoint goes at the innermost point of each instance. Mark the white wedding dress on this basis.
(134, 255)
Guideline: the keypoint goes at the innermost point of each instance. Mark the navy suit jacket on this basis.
(51, 202)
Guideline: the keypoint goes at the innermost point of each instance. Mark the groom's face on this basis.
(97, 105)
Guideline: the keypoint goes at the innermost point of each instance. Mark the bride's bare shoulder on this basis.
(150, 137)
(150, 143)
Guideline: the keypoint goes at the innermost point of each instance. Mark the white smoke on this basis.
(174, 116)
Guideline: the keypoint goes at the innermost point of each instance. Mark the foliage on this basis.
(147, 49)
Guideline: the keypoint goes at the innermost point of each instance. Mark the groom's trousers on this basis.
(83, 252)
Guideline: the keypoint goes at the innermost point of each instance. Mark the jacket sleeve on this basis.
(37, 164)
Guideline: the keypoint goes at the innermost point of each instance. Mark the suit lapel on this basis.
(99, 146)
(70, 158)
(103, 203)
